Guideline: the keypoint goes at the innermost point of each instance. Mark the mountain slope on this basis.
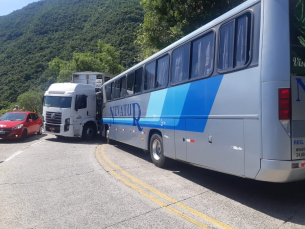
(36, 34)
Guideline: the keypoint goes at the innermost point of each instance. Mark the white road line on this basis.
(20, 151)
(37, 143)
(14, 155)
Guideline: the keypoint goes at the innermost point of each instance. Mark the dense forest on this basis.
(30, 38)
(56, 31)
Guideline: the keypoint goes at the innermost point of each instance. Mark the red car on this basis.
(19, 124)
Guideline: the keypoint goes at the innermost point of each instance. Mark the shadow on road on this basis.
(279, 200)
(29, 138)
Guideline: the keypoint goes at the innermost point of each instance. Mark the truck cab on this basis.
(69, 109)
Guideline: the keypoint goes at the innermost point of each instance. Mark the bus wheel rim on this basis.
(156, 149)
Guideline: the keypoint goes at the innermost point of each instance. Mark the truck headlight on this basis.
(67, 121)
(17, 127)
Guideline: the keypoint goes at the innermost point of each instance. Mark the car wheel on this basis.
(23, 135)
(88, 132)
(40, 130)
(156, 150)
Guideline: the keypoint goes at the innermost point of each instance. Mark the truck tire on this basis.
(88, 132)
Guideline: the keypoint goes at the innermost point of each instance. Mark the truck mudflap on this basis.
(298, 117)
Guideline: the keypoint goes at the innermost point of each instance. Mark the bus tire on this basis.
(107, 137)
(88, 132)
(156, 151)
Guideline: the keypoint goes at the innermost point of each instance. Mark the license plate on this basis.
(2, 132)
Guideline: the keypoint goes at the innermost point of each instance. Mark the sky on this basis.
(8, 6)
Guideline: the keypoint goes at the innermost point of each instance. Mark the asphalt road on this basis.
(50, 183)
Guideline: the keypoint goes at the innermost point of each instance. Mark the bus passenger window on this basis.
(234, 50)
(149, 77)
(226, 46)
(180, 64)
(108, 92)
(138, 80)
(162, 71)
(241, 42)
(202, 56)
(117, 89)
(123, 87)
(112, 90)
(130, 83)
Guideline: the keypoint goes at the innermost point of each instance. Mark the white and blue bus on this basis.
(228, 97)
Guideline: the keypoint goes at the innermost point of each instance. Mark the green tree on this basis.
(107, 61)
(166, 21)
(31, 100)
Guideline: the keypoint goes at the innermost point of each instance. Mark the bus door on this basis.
(180, 139)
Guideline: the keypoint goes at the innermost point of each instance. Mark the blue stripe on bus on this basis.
(193, 101)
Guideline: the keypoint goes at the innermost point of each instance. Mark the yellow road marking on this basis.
(136, 188)
(181, 205)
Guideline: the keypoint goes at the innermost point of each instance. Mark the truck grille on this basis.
(52, 128)
(53, 117)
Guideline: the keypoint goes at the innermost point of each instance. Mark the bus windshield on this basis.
(56, 101)
(297, 37)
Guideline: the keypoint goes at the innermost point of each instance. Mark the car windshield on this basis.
(56, 101)
(13, 117)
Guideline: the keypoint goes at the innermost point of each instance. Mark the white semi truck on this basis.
(74, 109)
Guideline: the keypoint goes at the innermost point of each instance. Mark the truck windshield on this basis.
(56, 101)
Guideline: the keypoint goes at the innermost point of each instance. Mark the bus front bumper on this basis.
(281, 171)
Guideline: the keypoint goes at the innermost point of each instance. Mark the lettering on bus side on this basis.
(299, 82)
(128, 110)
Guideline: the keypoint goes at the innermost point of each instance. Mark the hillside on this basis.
(36, 34)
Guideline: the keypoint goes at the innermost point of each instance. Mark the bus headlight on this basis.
(67, 121)
(17, 127)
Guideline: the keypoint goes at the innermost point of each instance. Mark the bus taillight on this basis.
(284, 104)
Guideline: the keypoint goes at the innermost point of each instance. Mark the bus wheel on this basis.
(156, 150)
(107, 137)
(88, 132)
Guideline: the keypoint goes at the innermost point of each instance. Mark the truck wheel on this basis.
(107, 137)
(156, 150)
(88, 132)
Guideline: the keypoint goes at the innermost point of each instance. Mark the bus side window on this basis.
(180, 64)
(130, 83)
(234, 50)
(138, 80)
(108, 92)
(226, 46)
(123, 87)
(112, 90)
(162, 71)
(149, 76)
(117, 89)
(202, 56)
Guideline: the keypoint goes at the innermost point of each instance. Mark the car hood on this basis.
(9, 124)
